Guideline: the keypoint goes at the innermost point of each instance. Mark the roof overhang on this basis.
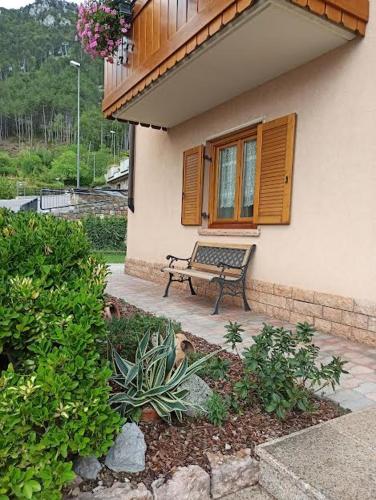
(269, 39)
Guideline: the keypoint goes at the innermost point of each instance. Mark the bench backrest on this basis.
(206, 256)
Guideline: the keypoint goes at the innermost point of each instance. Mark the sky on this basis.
(15, 4)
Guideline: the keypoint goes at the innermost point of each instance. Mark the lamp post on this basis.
(77, 65)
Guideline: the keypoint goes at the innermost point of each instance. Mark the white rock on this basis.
(231, 473)
(187, 483)
(119, 491)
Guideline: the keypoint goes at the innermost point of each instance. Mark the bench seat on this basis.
(195, 273)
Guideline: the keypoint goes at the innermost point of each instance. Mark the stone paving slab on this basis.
(357, 389)
(334, 460)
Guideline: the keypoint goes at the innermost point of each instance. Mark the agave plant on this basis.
(153, 379)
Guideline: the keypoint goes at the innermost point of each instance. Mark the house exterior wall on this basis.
(330, 245)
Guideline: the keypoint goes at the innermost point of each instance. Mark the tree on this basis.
(64, 169)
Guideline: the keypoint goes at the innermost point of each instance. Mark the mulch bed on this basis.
(172, 446)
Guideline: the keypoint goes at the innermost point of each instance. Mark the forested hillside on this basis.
(38, 102)
(37, 84)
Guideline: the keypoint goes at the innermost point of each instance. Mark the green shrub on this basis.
(125, 333)
(29, 162)
(153, 379)
(284, 369)
(215, 368)
(217, 410)
(6, 164)
(107, 233)
(54, 397)
(7, 188)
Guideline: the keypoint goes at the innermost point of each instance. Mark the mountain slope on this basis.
(38, 87)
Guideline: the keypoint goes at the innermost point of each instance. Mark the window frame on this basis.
(237, 138)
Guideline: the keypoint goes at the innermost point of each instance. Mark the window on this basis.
(233, 180)
(250, 177)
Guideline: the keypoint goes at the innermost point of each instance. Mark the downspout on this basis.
(132, 136)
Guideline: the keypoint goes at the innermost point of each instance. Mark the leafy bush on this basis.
(125, 333)
(217, 410)
(107, 233)
(215, 368)
(285, 369)
(7, 188)
(6, 164)
(153, 379)
(64, 168)
(54, 397)
(29, 162)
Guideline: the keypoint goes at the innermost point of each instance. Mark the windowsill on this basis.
(204, 231)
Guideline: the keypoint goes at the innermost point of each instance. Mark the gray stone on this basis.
(119, 491)
(199, 393)
(128, 452)
(232, 473)
(87, 467)
(187, 483)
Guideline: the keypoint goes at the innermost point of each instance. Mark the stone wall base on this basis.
(342, 316)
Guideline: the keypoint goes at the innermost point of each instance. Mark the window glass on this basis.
(227, 182)
(249, 172)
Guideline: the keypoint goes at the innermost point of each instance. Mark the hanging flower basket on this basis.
(102, 25)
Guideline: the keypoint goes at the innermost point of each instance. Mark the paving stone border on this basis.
(228, 474)
(333, 314)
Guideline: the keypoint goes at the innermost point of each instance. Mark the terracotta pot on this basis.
(111, 311)
(149, 415)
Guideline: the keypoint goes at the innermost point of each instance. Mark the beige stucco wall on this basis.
(330, 245)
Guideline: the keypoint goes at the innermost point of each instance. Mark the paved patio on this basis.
(358, 388)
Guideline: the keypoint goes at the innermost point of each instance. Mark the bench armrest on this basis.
(174, 259)
(224, 266)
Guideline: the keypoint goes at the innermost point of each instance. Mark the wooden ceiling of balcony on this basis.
(163, 43)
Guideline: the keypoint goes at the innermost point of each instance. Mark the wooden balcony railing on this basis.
(164, 32)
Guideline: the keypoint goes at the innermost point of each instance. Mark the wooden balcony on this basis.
(190, 55)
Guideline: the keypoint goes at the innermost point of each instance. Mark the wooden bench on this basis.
(224, 264)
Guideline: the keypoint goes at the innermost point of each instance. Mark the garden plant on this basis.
(106, 233)
(101, 27)
(54, 397)
(154, 378)
(283, 371)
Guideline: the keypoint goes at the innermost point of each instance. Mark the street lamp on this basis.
(77, 65)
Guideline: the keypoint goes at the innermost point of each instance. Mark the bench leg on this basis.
(246, 305)
(168, 285)
(191, 286)
(218, 301)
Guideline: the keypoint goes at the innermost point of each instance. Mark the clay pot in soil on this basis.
(149, 415)
(183, 347)
(111, 311)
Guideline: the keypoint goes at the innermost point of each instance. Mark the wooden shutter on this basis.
(193, 175)
(275, 158)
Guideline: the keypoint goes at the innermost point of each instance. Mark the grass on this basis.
(112, 256)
